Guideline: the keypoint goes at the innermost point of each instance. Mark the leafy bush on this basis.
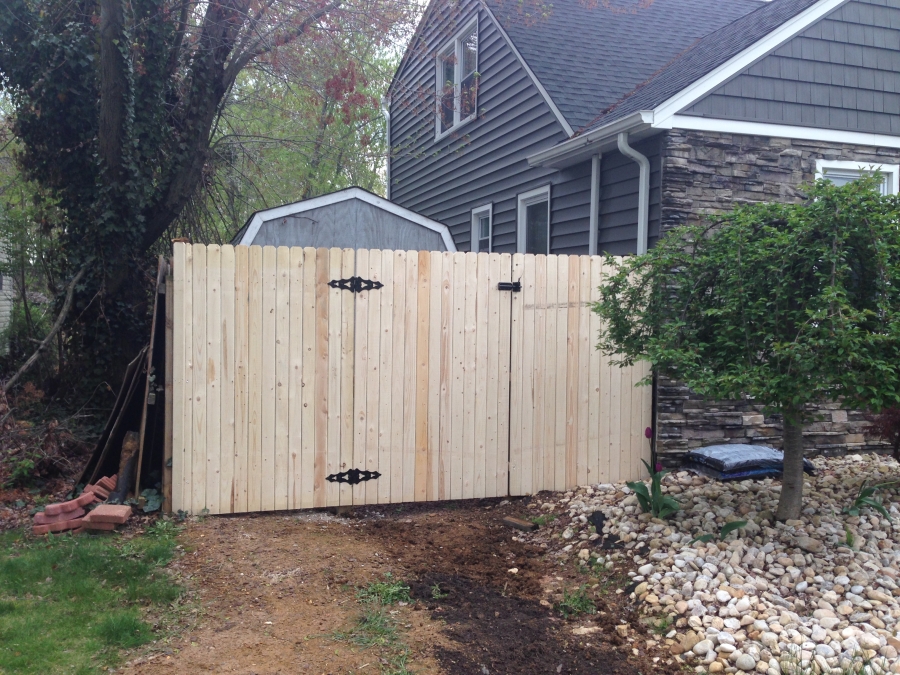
(653, 500)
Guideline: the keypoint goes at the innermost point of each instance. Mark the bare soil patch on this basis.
(276, 588)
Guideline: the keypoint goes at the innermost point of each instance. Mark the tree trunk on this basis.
(791, 501)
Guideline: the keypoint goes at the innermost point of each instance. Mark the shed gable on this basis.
(841, 73)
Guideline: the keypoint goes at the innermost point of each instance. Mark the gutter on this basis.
(643, 190)
(594, 232)
(386, 111)
(603, 138)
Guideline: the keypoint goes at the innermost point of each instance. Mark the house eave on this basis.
(581, 148)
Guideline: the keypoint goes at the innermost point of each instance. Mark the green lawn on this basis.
(69, 603)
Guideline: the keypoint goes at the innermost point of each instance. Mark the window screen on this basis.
(537, 227)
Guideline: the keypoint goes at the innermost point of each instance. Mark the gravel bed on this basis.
(818, 594)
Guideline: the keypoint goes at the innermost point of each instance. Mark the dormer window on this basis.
(457, 75)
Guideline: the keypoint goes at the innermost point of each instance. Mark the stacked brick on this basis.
(72, 515)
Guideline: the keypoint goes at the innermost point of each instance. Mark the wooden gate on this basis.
(437, 380)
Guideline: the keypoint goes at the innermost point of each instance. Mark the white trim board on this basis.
(260, 217)
(693, 123)
(718, 76)
(537, 83)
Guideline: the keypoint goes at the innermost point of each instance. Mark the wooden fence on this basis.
(438, 380)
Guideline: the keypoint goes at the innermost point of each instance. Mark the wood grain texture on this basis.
(242, 310)
(295, 379)
(282, 474)
(469, 363)
(269, 377)
(199, 374)
(398, 376)
(333, 376)
(503, 384)
(348, 344)
(373, 379)
(181, 399)
(435, 334)
(227, 377)
(385, 376)
(410, 375)
(255, 377)
(360, 374)
(213, 376)
(446, 376)
(551, 316)
(309, 381)
(422, 360)
(480, 412)
(517, 381)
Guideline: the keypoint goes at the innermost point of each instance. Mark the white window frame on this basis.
(477, 213)
(524, 200)
(456, 43)
(890, 171)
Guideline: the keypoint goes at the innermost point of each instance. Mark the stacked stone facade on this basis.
(706, 173)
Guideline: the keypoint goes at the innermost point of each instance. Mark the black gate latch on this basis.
(355, 284)
(514, 286)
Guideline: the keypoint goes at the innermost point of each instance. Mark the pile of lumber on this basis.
(73, 515)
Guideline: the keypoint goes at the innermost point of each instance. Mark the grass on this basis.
(375, 627)
(385, 592)
(69, 604)
(545, 519)
(575, 602)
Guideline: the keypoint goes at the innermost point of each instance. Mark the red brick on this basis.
(61, 526)
(89, 525)
(111, 513)
(98, 490)
(108, 483)
(86, 499)
(43, 519)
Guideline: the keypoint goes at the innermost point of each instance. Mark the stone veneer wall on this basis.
(705, 173)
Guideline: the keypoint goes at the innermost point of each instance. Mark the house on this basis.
(349, 218)
(584, 127)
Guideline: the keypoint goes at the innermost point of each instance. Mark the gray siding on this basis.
(485, 161)
(619, 186)
(842, 73)
(348, 224)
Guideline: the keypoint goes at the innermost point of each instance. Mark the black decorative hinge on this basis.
(353, 476)
(355, 284)
(514, 286)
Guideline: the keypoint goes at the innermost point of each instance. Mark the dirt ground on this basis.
(275, 590)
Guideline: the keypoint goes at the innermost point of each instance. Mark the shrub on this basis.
(653, 500)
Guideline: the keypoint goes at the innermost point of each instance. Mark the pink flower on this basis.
(648, 432)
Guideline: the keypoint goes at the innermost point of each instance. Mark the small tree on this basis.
(788, 304)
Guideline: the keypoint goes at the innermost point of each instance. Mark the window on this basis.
(534, 221)
(457, 75)
(482, 228)
(842, 172)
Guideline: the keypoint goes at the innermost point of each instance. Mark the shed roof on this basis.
(246, 235)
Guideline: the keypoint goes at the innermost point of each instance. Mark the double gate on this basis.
(309, 377)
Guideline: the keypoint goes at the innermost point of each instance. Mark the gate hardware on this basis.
(353, 476)
(355, 284)
(514, 286)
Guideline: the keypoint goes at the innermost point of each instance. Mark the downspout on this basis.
(643, 190)
(386, 111)
(595, 205)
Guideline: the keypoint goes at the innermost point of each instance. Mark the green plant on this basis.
(849, 539)
(575, 603)
(385, 592)
(437, 593)
(152, 500)
(727, 529)
(653, 500)
(866, 497)
(789, 304)
(181, 515)
(123, 629)
(544, 519)
(662, 624)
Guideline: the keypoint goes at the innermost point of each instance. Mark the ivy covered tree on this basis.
(787, 304)
(116, 106)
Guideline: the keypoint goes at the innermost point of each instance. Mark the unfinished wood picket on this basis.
(443, 384)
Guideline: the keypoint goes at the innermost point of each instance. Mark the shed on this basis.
(349, 218)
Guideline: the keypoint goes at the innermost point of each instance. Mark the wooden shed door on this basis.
(429, 379)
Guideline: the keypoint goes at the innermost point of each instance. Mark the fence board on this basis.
(294, 383)
(199, 438)
(282, 474)
(309, 382)
(447, 386)
(373, 379)
(242, 308)
(397, 377)
(348, 337)
(360, 372)
(410, 376)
